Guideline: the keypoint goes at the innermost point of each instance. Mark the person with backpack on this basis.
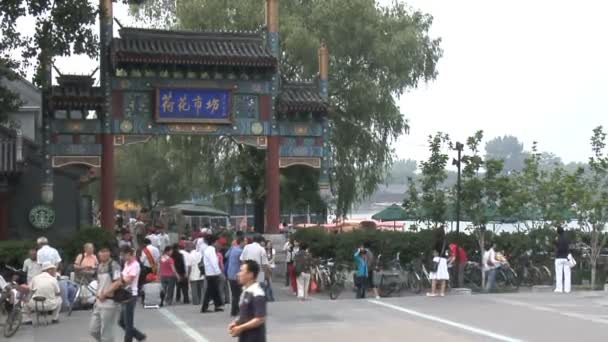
(302, 267)
(105, 310)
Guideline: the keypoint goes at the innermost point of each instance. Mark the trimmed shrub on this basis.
(13, 252)
(99, 237)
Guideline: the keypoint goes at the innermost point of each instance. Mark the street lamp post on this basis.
(457, 162)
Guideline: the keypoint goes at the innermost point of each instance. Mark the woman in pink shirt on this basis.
(168, 276)
(129, 279)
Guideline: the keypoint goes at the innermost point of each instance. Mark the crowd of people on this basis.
(205, 269)
(200, 270)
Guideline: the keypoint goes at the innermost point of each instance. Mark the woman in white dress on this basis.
(440, 272)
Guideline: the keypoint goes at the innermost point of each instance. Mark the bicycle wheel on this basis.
(536, 276)
(547, 275)
(335, 290)
(385, 289)
(415, 284)
(13, 322)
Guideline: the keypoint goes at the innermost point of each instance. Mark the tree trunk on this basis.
(593, 272)
(259, 205)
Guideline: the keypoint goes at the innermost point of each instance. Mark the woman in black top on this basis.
(181, 268)
(562, 265)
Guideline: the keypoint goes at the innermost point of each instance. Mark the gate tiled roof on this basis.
(299, 96)
(188, 47)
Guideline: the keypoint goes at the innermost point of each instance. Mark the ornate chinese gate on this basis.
(158, 82)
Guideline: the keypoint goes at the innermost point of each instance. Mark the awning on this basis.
(193, 209)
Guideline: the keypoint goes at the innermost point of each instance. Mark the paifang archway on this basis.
(161, 82)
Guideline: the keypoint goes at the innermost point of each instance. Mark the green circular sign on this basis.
(42, 216)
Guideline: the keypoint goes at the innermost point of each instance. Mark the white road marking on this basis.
(584, 317)
(183, 326)
(465, 327)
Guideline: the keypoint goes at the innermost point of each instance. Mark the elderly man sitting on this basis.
(45, 286)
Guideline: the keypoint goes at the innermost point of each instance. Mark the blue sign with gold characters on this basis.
(193, 105)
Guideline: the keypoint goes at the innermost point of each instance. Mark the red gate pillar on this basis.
(273, 190)
(107, 181)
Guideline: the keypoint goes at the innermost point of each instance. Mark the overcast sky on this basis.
(536, 69)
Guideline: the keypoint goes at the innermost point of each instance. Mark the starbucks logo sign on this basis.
(42, 217)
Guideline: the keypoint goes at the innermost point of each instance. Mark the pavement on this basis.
(579, 316)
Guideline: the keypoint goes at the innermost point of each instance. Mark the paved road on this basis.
(581, 316)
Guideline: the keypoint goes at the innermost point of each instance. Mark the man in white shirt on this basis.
(163, 239)
(150, 258)
(254, 251)
(490, 264)
(196, 278)
(201, 244)
(31, 266)
(45, 285)
(154, 239)
(47, 253)
(212, 276)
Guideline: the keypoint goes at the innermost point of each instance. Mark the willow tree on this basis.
(377, 53)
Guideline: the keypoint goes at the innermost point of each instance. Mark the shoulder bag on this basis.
(121, 295)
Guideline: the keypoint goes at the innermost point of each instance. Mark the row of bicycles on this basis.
(393, 276)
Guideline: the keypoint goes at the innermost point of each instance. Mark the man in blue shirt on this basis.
(362, 272)
(233, 266)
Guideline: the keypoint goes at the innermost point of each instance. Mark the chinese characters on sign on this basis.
(193, 105)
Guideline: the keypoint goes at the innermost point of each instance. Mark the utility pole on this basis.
(457, 162)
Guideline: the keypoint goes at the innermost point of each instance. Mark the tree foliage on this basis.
(61, 28)
(433, 194)
(376, 54)
(508, 149)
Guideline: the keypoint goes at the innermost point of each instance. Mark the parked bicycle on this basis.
(12, 300)
(331, 277)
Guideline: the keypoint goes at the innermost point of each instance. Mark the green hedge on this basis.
(413, 244)
(99, 237)
(14, 252)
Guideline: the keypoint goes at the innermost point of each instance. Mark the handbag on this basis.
(571, 261)
(121, 295)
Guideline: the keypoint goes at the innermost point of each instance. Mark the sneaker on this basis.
(377, 297)
(558, 291)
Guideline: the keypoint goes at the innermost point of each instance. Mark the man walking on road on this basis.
(251, 324)
(105, 311)
(254, 251)
(212, 276)
(233, 265)
(196, 278)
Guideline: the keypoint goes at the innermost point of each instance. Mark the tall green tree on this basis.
(508, 149)
(588, 191)
(377, 53)
(433, 194)
(484, 189)
(61, 28)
